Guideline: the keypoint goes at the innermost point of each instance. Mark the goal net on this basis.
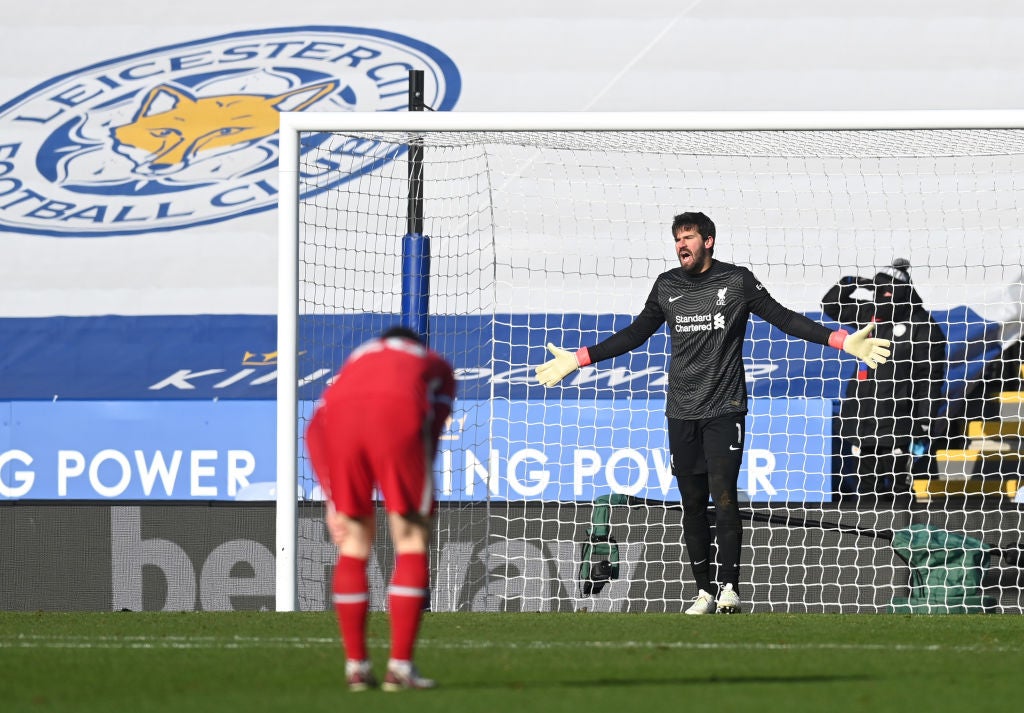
(860, 492)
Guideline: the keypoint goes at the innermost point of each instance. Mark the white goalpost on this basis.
(496, 234)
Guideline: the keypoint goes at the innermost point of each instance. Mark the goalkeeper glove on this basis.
(565, 362)
(871, 350)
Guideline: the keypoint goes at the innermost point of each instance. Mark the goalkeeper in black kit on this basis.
(706, 304)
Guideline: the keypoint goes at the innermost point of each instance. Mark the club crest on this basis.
(187, 135)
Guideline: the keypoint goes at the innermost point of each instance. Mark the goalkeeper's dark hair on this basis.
(700, 222)
(403, 332)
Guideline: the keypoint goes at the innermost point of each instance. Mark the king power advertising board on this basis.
(198, 422)
(203, 451)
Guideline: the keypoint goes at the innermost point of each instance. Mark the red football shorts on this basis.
(370, 444)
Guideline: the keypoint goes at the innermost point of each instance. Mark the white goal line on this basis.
(28, 641)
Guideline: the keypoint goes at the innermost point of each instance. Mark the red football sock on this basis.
(406, 597)
(352, 602)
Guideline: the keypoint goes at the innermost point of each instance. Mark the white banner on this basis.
(107, 128)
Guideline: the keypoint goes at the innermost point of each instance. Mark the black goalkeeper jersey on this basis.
(707, 318)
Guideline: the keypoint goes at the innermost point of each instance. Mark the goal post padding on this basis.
(552, 228)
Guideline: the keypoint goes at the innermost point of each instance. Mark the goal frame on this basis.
(292, 124)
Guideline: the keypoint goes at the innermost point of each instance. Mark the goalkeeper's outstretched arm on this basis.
(871, 350)
(565, 362)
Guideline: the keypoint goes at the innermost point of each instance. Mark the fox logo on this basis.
(174, 129)
(186, 135)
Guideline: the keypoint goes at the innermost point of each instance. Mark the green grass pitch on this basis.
(521, 663)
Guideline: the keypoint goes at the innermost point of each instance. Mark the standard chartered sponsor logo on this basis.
(689, 318)
(699, 322)
(693, 323)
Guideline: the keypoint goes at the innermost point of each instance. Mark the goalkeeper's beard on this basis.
(699, 261)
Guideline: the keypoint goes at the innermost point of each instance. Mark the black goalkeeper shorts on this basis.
(694, 443)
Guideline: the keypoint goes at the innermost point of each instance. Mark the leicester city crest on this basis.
(187, 135)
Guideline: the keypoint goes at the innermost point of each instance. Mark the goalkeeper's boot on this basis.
(703, 604)
(360, 676)
(403, 676)
(728, 601)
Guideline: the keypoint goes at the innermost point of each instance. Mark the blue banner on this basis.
(124, 450)
(203, 357)
(579, 450)
(181, 408)
(503, 450)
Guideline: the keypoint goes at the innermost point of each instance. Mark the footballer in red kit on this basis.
(378, 425)
(387, 407)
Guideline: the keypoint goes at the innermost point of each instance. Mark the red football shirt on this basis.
(378, 424)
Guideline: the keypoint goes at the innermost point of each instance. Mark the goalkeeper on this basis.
(706, 304)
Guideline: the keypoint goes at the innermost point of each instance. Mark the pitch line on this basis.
(30, 641)
(644, 51)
